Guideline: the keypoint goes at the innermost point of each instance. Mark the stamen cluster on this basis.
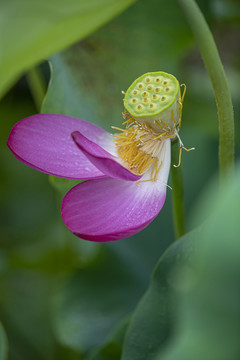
(139, 147)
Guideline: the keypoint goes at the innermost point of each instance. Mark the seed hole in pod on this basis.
(155, 97)
(148, 79)
(145, 100)
(135, 92)
(163, 98)
(139, 107)
(167, 89)
(158, 89)
(158, 80)
(165, 82)
(140, 86)
(149, 87)
(144, 93)
(134, 101)
(152, 106)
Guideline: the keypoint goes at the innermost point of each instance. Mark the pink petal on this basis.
(111, 209)
(103, 160)
(44, 142)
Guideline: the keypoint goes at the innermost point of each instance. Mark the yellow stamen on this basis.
(139, 148)
(170, 136)
(165, 127)
(130, 120)
(117, 128)
(180, 154)
(154, 172)
(180, 102)
(129, 150)
(161, 135)
(173, 119)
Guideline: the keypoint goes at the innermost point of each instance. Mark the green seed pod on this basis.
(157, 102)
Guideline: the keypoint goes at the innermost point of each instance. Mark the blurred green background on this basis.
(62, 297)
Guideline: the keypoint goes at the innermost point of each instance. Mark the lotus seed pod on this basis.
(157, 100)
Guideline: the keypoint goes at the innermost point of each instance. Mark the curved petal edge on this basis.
(111, 209)
(103, 160)
(44, 142)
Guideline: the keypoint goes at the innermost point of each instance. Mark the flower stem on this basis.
(217, 75)
(37, 86)
(177, 193)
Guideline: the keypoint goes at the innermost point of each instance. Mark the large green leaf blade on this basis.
(87, 79)
(112, 348)
(3, 344)
(34, 30)
(208, 325)
(94, 300)
(151, 323)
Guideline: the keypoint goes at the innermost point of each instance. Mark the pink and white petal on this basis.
(164, 162)
(111, 209)
(44, 142)
(103, 160)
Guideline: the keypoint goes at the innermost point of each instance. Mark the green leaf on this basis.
(112, 349)
(88, 78)
(24, 310)
(208, 325)
(68, 92)
(93, 300)
(34, 30)
(3, 344)
(151, 323)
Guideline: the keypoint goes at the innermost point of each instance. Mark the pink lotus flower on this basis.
(126, 185)
(127, 172)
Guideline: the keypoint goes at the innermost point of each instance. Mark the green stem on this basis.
(177, 193)
(37, 86)
(217, 75)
